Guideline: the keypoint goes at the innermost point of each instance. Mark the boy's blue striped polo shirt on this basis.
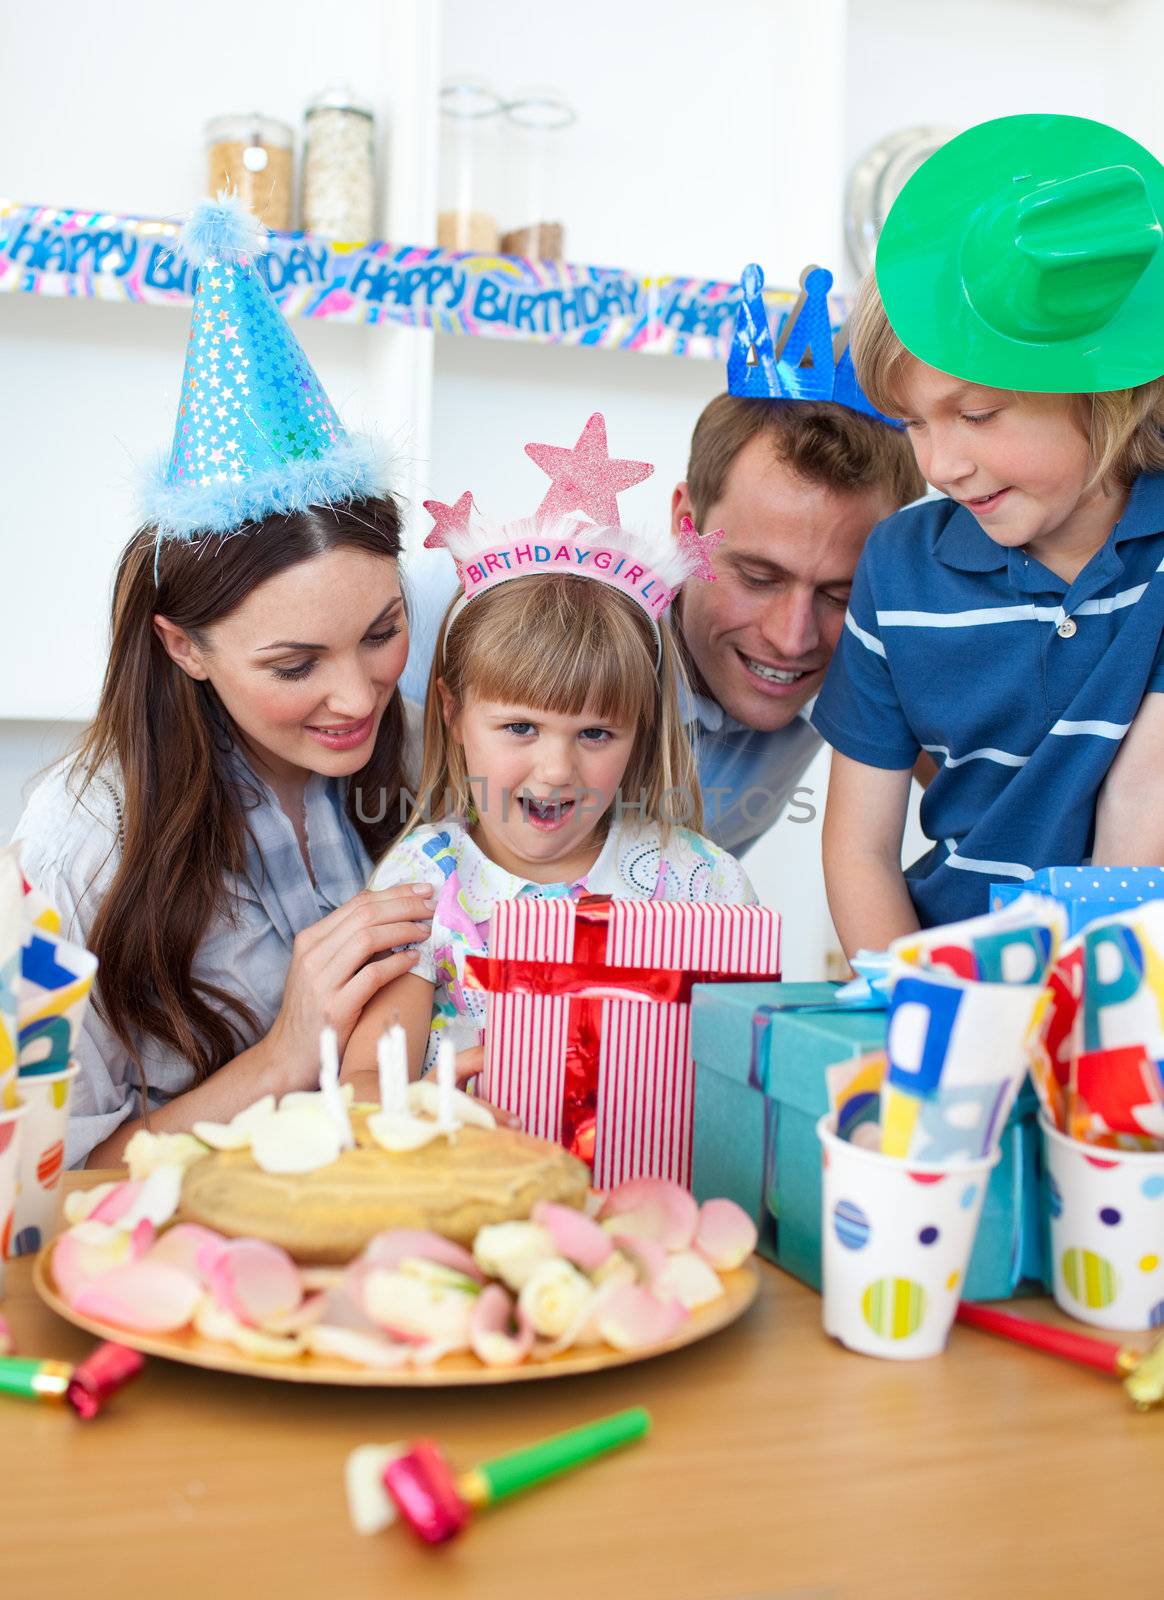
(1019, 685)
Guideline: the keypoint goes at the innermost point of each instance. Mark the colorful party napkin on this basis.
(1099, 1067)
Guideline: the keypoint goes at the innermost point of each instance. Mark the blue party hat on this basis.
(808, 364)
(255, 432)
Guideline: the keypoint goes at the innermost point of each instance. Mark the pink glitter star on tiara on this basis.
(447, 519)
(699, 546)
(585, 478)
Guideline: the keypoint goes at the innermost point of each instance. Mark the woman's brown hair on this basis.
(183, 820)
(566, 644)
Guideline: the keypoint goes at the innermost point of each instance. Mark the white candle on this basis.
(446, 1069)
(329, 1073)
(392, 1060)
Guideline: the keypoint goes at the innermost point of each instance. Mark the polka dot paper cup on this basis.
(896, 1241)
(1107, 1231)
(11, 1138)
(42, 1157)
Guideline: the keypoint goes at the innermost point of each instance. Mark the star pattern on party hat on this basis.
(699, 546)
(585, 478)
(255, 433)
(447, 520)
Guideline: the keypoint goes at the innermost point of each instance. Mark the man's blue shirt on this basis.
(1019, 685)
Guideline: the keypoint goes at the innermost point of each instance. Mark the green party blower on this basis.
(437, 1502)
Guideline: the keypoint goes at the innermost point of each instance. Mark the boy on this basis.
(1013, 629)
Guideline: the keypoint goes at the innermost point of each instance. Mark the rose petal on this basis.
(688, 1278)
(254, 1281)
(654, 1209)
(7, 1342)
(190, 1246)
(417, 1312)
(147, 1151)
(143, 1296)
(648, 1257)
(632, 1319)
(725, 1235)
(575, 1236)
(397, 1132)
(156, 1199)
(499, 1333)
(425, 1096)
(584, 1330)
(394, 1245)
(115, 1201)
(361, 1349)
(296, 1140)
(212, 1321)
(88, 1251)
(304, 1316)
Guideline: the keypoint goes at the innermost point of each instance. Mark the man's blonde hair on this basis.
(565, 644)
(1125, 427)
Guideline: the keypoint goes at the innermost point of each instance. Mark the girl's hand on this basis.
(337, 966)
(469, 1063)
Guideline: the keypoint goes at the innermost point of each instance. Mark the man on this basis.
(797, 486)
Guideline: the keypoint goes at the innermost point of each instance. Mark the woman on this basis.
(211, 839)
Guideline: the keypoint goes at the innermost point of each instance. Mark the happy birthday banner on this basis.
(94, 255)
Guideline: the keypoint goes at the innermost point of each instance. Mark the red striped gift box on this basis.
(587, 1037)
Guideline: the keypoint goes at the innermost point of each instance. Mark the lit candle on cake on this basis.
(392, 1060)
(446, 1074)
(329, 1085)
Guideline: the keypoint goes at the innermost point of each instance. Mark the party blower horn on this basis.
(1142, 1371)
(85, 1387)
(416, 1481)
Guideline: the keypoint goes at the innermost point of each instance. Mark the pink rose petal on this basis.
(114, 1205)
(632, 1319)
(143, 1296)
(575, 1235)
(725, 1235)
(254, 1281)
(190, 1246)
(395, 1245)
(500, 1334)
(655, 1209)
(89, 1250)
(647, 1256)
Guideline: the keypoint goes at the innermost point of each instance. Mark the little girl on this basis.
(555, 761)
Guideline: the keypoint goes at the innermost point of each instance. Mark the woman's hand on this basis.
(337, 966)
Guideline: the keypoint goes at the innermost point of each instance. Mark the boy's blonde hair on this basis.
(566, 644)
(1125, 426)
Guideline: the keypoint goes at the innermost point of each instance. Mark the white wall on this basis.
(706, 138)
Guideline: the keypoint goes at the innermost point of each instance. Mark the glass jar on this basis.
(536, 121)
(251, 156)
(471, 117)
(337, 196)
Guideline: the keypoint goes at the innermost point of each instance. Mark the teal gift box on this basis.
(760, 1053)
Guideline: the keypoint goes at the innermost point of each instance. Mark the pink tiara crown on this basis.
(576, 529)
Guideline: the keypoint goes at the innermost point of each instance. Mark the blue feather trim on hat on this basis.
(356, 469)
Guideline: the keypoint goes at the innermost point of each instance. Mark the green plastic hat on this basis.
(1028, 254)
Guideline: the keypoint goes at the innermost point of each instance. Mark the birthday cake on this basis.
(451, 1186)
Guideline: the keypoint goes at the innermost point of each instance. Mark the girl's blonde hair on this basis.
(564, 644)
(1125, 427)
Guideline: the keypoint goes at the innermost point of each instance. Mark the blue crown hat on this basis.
(255, 432)
(808, 364)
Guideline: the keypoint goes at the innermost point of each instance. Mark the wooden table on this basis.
(780, 1466)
